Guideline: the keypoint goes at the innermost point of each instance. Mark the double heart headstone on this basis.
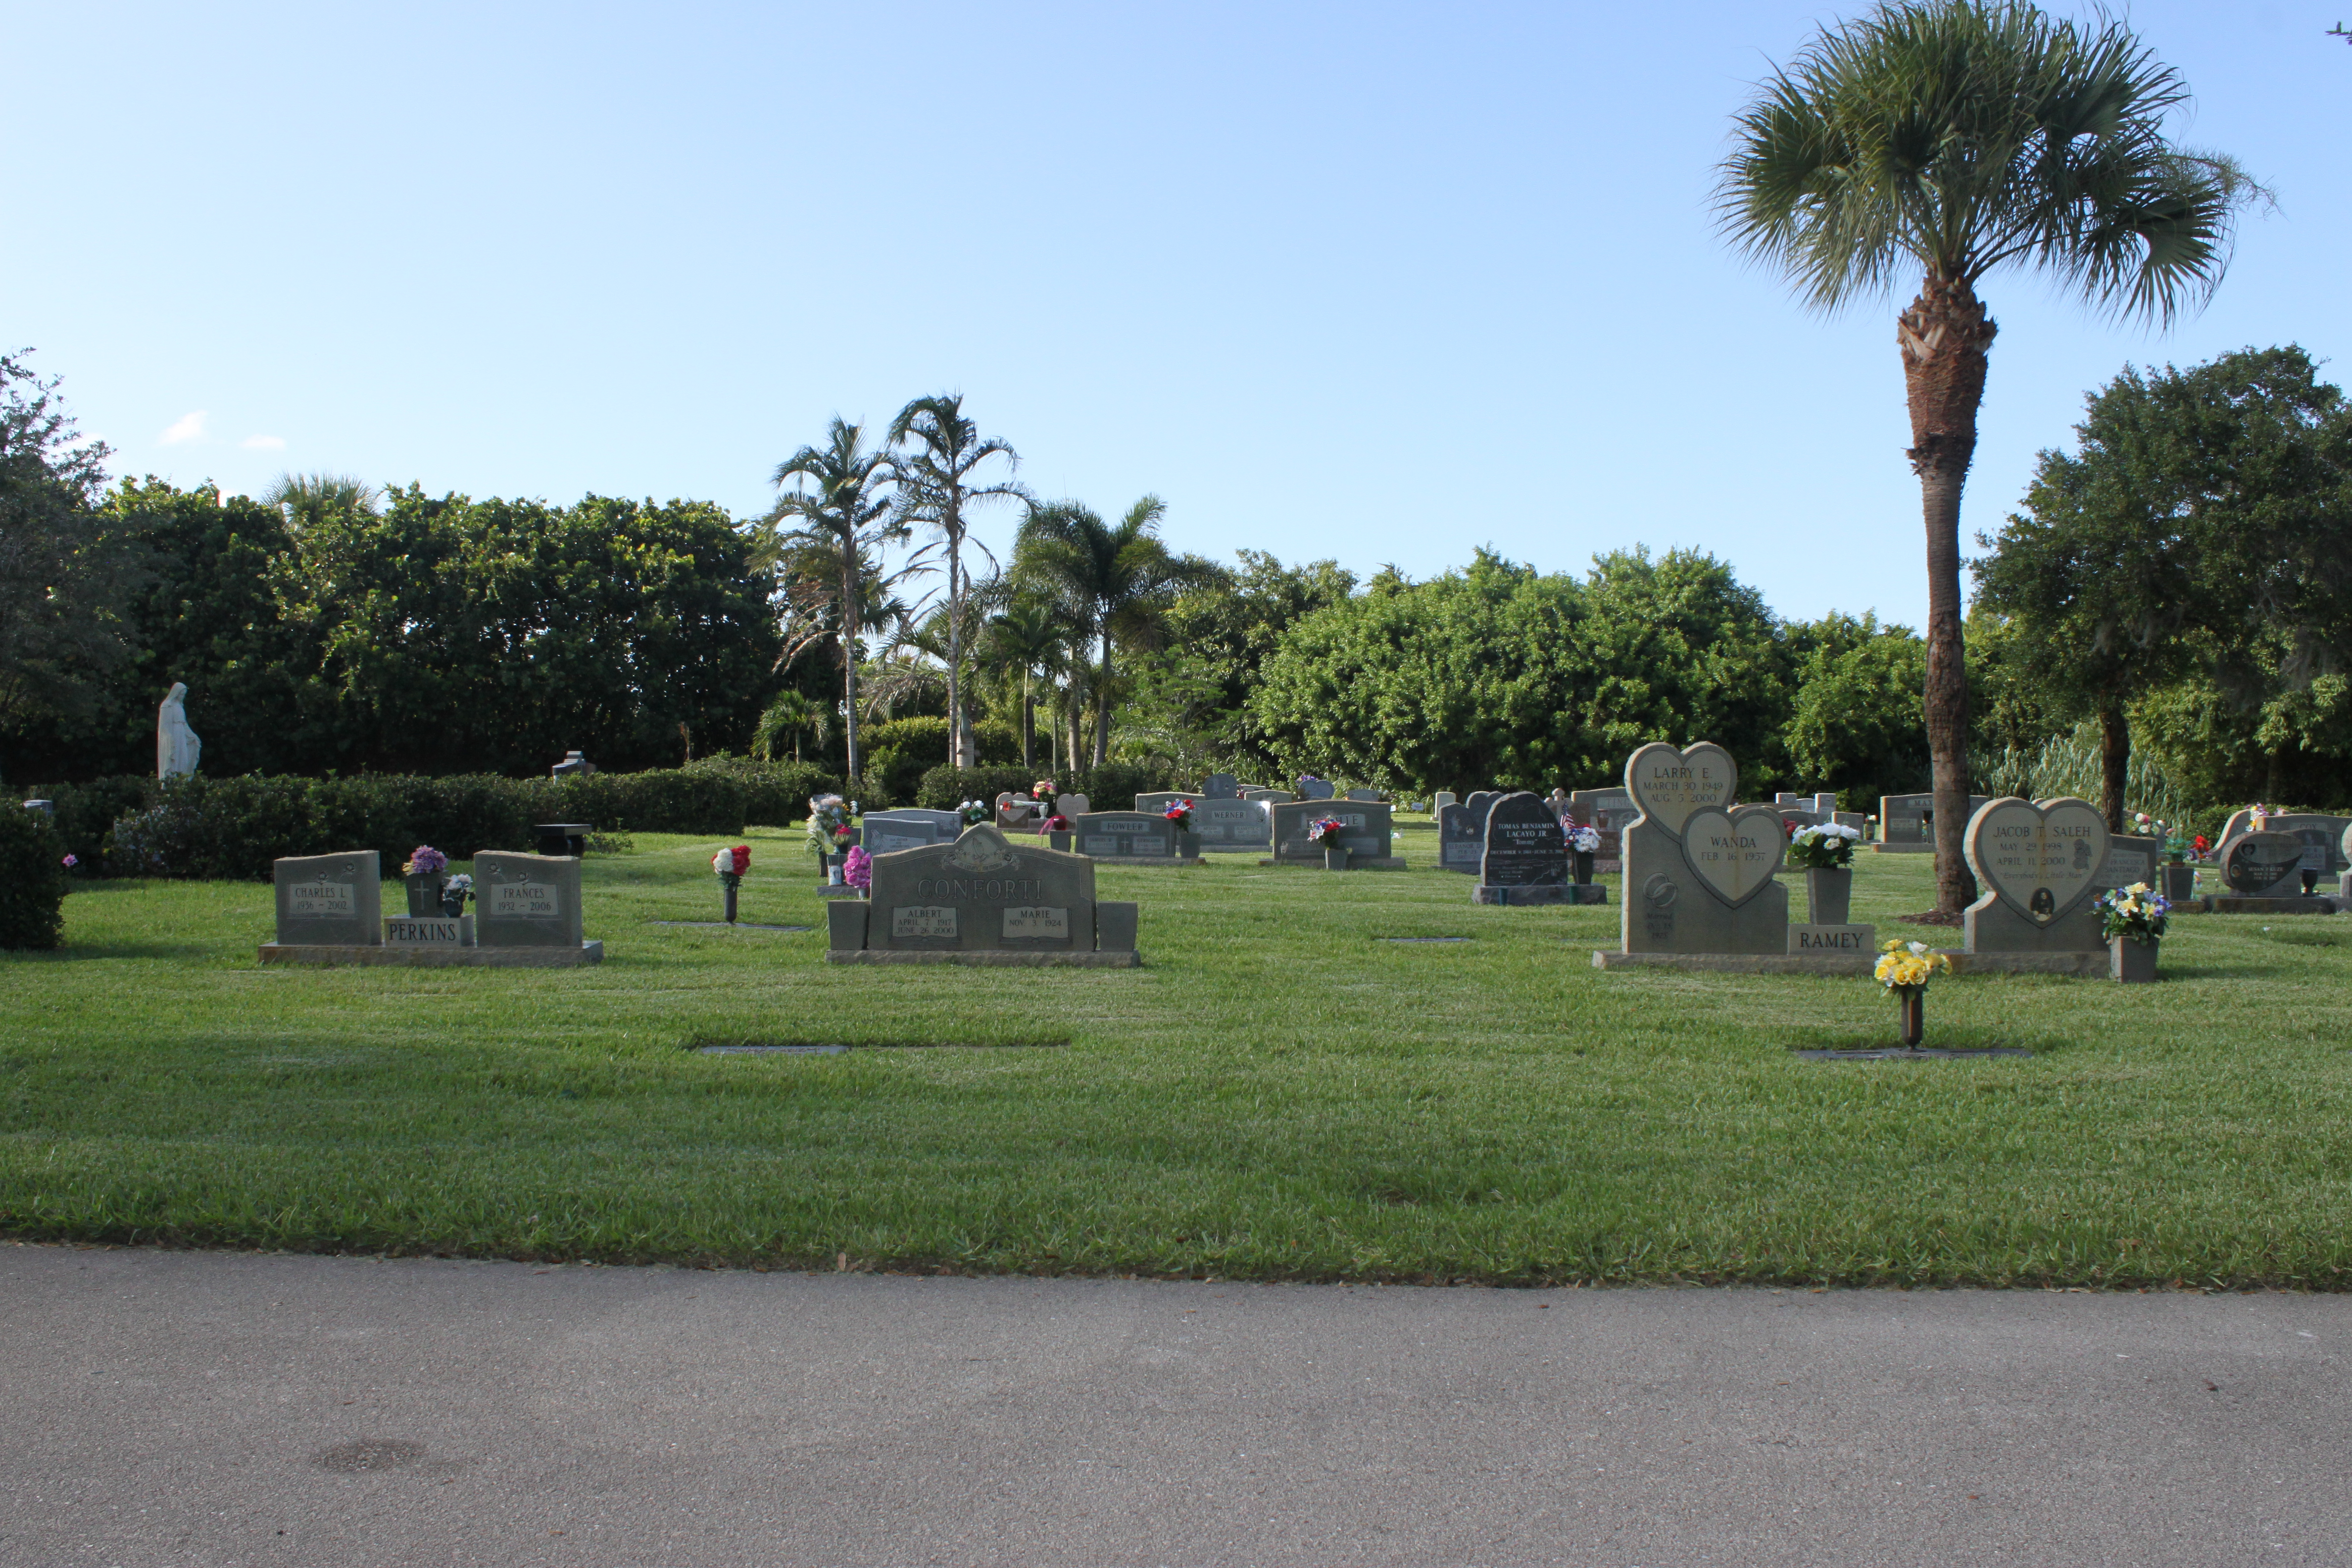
(1699, 872)
(2040, 864)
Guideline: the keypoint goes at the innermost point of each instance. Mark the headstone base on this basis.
(1588, 893)
(438, 957)
(1541, 893)
(2228, 904)
(838, 891)
(1355, 863)
(1900, 848)
(1991, 926)
(982, 958)
(1170, 861)
(2085, 965)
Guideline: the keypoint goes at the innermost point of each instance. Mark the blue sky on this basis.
(1376, 282)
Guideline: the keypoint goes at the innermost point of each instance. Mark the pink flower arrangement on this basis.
(424, 860)
(858, 869)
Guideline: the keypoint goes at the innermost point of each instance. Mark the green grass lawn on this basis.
(1280, 1093)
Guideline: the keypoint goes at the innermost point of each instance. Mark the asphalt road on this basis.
(196, 1409)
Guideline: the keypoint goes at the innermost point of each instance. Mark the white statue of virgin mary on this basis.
(176, 746)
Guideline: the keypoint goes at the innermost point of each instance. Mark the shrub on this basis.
(32, 879)
(776, 795)
(945, 788)
(1111, 787)
(85, 812)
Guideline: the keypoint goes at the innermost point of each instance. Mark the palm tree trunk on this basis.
(955, 643)
(1102, 708)
(1028, 727)
(849, 656)
(2115, 757)
(1944, 336)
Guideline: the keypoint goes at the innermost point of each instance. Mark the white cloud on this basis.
(264, 443)
(187, 427)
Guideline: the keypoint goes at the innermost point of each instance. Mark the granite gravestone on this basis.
(1608, 812)
(1462, 837)
(1440, 801)
(2040, 864)
(526, 901)
(1222, 787)
(2321, 836)
(1072, 806)
(2264, 865)
(1699, 873)
(1366, 832)
(1524, 859)
(1315, 789)
(1230, 826)
(330, 900)
(2130, 858)
(886, 832)
(1126, 835)
(1906, 818)
(1160, 800)
(1363, 795)
(982, 899)
(1269, 796)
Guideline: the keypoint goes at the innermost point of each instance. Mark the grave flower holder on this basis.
(1831, 895)
(424, 893)
(1335, 857)
(2131, 961)
(1911, 1004)
(1904, 968)
(2133, 921)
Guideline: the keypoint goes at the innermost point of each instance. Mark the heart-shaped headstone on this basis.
(2255, 861)
(1734, 853)
(1669, 785)
(2043, 859)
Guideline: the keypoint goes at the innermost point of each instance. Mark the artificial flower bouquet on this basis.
(454, 894)
(975, 812)
(1908, 965)
(424, 861)
(828, 825)
(2137, 912)
(2178, 847)
(1326, 831)
(858, 869)
(1179, 811)
(1826, 847)
(1582, 837)
(730, 865)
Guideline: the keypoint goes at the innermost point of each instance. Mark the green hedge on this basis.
(86, 812)
(32, 879)
(233, 827)
(1111, 787)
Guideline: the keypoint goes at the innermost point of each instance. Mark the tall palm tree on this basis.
(307, 498)
(1112, 582)
(1028, 638)
(789, 714)
(1955, 137)
(839, 498)
(935, 490)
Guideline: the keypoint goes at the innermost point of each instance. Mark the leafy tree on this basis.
(1857, 726)
(2201, 531)
(1029, 639)
(65, 576)
(1192, 698)
(935, 491)
(1957, 137)
(1113, 583)
(1499, 675)
(839, 498)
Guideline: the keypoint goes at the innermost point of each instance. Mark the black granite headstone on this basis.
(1525, 848)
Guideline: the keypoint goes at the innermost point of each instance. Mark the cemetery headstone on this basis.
(1126, 835)
(573, 765)
(1700, 873)
(1271, 797)
(2264, 865)
(1222, 787)
(330, 900)
(1228, 826)
(1440, 801)
(1904, 818)
(1315, 789)
(983, 896)
(2040, 865)
(1363, 795)
(1160, 800)
(2321, 835)
(1608, 812)
(428, 930)
(2131, 858)
(1366, 833)
(1072, 806)
(887, 832)
(526, 901)
(1524, 857)
(1461, 838)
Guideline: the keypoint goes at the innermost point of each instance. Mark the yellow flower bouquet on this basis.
(1904, 968)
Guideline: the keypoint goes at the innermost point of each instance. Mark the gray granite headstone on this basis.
(1160, 800)
(330, 900)
(1904, 818)
(886, 832)
(1222, 787)
(1525, 852)
(2264, 865)
(1271, 797)
(1462, 837)
(2130, 858)
(1366, 831)
(1440, 801)
(1141, 835)
(983, 892)
(1363, 795)
(2040, 864)
(1608, 812)
(526, 901)
(1316, 789)
(1699, 877)
(1232, 825)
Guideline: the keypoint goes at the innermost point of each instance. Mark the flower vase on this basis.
(2179, 884)
(2133, 962)
(1188, 844)
(1584, 867)
(1913, 1002)
(726, 896)
(832, 870)
(1335, 858)
(425, 894)
(1058, 841)
(1830, 894)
